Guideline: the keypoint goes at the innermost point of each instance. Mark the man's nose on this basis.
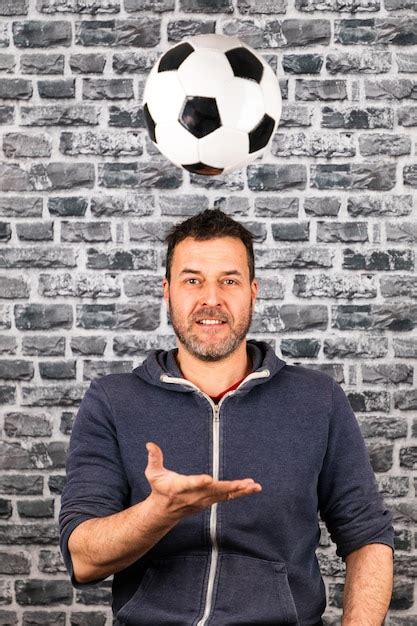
(211, 294)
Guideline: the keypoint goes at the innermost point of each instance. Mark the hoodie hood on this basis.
(160, 367)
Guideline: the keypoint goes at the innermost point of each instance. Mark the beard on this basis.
(211, 349)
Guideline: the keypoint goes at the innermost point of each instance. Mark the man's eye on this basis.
(188, 279)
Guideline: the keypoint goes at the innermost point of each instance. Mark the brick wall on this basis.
(85, 201)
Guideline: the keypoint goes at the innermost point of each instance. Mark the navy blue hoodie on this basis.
(241, 562)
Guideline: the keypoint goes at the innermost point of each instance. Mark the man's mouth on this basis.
(210, 322)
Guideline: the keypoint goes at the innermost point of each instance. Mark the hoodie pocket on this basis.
(170, 593)
(252, 591)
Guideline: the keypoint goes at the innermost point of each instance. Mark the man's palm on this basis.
(184, 494)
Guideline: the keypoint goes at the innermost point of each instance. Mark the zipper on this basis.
(216, 450)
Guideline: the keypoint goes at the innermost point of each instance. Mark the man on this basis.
(197, 478)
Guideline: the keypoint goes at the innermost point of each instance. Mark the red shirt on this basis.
(217, 398)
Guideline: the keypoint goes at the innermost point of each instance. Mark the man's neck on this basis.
(213, 377)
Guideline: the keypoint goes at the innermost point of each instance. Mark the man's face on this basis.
(210, 281)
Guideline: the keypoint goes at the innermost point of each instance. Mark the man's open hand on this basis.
(181, 495)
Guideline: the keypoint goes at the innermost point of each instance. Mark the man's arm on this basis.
(368, 585)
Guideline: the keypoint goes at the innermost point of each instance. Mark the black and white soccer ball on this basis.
(211, 104)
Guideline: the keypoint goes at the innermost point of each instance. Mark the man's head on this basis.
(210, 276)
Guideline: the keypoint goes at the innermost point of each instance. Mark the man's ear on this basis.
(165, 287)
(254, 289)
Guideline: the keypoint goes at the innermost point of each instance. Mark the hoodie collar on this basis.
(159, 365)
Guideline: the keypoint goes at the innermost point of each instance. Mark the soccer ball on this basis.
(211, 104)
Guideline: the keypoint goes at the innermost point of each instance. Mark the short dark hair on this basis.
(209, 224)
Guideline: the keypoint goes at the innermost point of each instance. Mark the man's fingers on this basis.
(155, 456)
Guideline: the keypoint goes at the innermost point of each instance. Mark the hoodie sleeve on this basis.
(349, 501)
(96, 484)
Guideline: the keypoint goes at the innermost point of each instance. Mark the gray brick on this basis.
(15, 88)
(302, 63)
(62, 175)
(271, 206)
(177, 30)
(157, 6)
(132, 62)
(374, 259)
(370, 346)
(101, 142)
(379, 206)
(14, 178)
(84, 284)
(25, 145)
(36, 256)
(139, 316)
(20, 484)
(5, 231)
(43, 345)
(395, 286)
(57, 370)
(309, 256)
(64, 88)
(14, 563)
(78, 6)
(43, 592)
(182, 204)
(368, 117)
(6, 114)
(21, 206)
(410, 175)
(202, 6)
(92, 63)
(41, 34)
(336, 285)
(4, 35)
(53, 395)
(318, 144)
(107, 88)
(390, 88)
(295, 115)
(32, 231)
(84, 345)
(375, 175)
(13, 287)
(337, 5)
(393, 373)
(322, 206)
(401, 231)
(301, 317)
(376, 316)
(8, 345)
(60, 115)
(296, 348)
(262, 6)
(7, 63)
(276, 177)
(406, 62)
(142, 32)
(290, 231)
(14, 7)
(160, 175)
(324, 89)
(36, 508)
(232, 205)
(37, 63)
(364, 62)
(134, 259)
(342, 231)
(43, 316)
(67, 206)
(405, 347)
(406, 399)
(18, 424)
(85, 231)
(130, 116)
(398, 31)
(394, 5)
(380, 143)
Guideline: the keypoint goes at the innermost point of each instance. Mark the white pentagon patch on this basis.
(241, 104)
(176, 143)
(205, 73)
(223, 147)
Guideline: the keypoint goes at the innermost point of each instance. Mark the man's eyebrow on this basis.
(187, 270)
